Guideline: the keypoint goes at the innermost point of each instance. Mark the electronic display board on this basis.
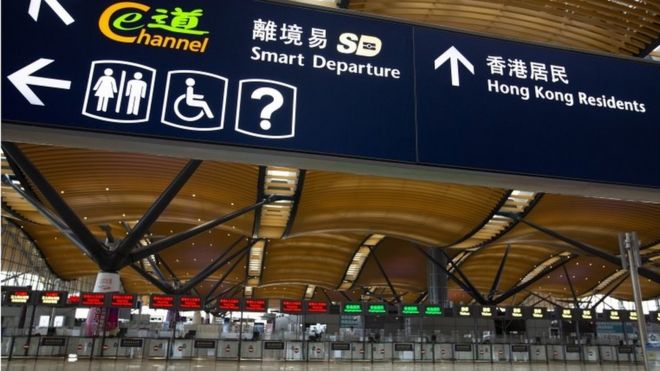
(291, 306)
(537, 313)
(655, 316)
(316, 307)
(376, 308)
(516, 312)
(632, 315)
(585, 314)
(352, 308)
(232, 304)
(432, 310)
(189, 302)
(122, 300)
(464, 311)
(92, 299)
(17, 297)
(255, 305)
(410, 310)
(487, 312)
(73, 300)
(567, 313)
(613, 315)
(51, 298)
(162, 302)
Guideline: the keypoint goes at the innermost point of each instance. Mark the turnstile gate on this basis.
(519, 353)
(294, 351)
(443, 352)
(424, 352)
(251, 350)
(464, 352)
(403, 352)
(317, 351)
(204, 348)
(227, 349)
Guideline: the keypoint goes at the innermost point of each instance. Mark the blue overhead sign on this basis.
(278, 76)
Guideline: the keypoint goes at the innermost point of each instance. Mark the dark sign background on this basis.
(420, 118)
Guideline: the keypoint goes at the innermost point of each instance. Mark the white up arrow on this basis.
(454, 56)
(35, 5)
(23, 77)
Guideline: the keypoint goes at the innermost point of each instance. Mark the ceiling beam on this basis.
(576, 302)
(610, 291)
(382, 271)
(296, 201)
(154, 212)
(498, 275)
(478, 297)
(161, 285)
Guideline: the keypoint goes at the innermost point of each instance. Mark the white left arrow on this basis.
(23, 77)
(35, 5)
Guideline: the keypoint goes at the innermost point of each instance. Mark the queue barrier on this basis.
(295, 350)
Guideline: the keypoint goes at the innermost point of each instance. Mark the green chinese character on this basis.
(181, 22)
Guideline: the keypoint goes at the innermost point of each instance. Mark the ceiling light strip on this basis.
(358, 260)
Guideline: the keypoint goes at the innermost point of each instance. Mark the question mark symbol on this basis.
(267, 111)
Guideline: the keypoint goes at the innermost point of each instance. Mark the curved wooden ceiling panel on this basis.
(292, 292)
(315, 259)
(611, 26)
(430, 213)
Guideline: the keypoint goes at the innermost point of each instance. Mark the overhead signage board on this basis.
(255, 305)
(123, 300)
(376, 309)
(632, 315)
(410, 309)
(463, 311)
(291, 306)
(51, 298)
(230, 304)
(567, 314)
(258, 74)
(92, 299)
(431, 310)
(316, 307)
(517, 312)
(613, 315)
(17, 297)
(537, 313)
(189, 302)
(486, 312)
(162, 302)
(352, 308)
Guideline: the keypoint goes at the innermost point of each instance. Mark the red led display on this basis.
(161, 302)
(122, 300)
(73, 299)
(52, 297)
(92, 299)
(255, 305)
(21, 297)
(229, 304)
(292, 306)
(317, 307)
(190, 303)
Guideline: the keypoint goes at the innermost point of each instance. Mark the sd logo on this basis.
(266, 109)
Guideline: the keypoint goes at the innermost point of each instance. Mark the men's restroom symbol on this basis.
(119, 91)
(266, 109)
(194, 100)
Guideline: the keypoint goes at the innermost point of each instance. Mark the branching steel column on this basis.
(589, 250)
(151, 215)
(211, 268)
(610, 291)
(576, 302)
(516, 289)
(541, 298)
(465, 279)
(327, 297)
(222, 279)
(496, 281)
(96, 250)
(474, 294)
(169, 241)
(163, 286)
(382, 271)
(421, 297)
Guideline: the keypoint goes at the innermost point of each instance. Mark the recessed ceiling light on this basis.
(194, 195)
(232, 204)
(61, 192)
(107, 189)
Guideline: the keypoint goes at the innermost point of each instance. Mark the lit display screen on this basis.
(657, 316)
(613, 315)
(464, 311)
(376, 308)
(291, 306)
(190, 303)
(161, 302)
(73, 300)
(92, 299)
(21, 297)
(632, 316)
(122, 300)
(433, 311)
(231, 304)
(410, 310)
(52, 297)
(538, 313)
(486, 311)
(353, 308)
(587, 314)
(566, 314)
(255, 305)
(317, 307)
(517, 312)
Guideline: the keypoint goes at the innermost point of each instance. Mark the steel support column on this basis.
(610, 291)
(372, 249)
(498, 275)
(576, 302)
(436, 278)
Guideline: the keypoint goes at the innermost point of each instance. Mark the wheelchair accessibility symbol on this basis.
(195, 100)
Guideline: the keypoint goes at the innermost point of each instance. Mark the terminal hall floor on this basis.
(150, 365)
